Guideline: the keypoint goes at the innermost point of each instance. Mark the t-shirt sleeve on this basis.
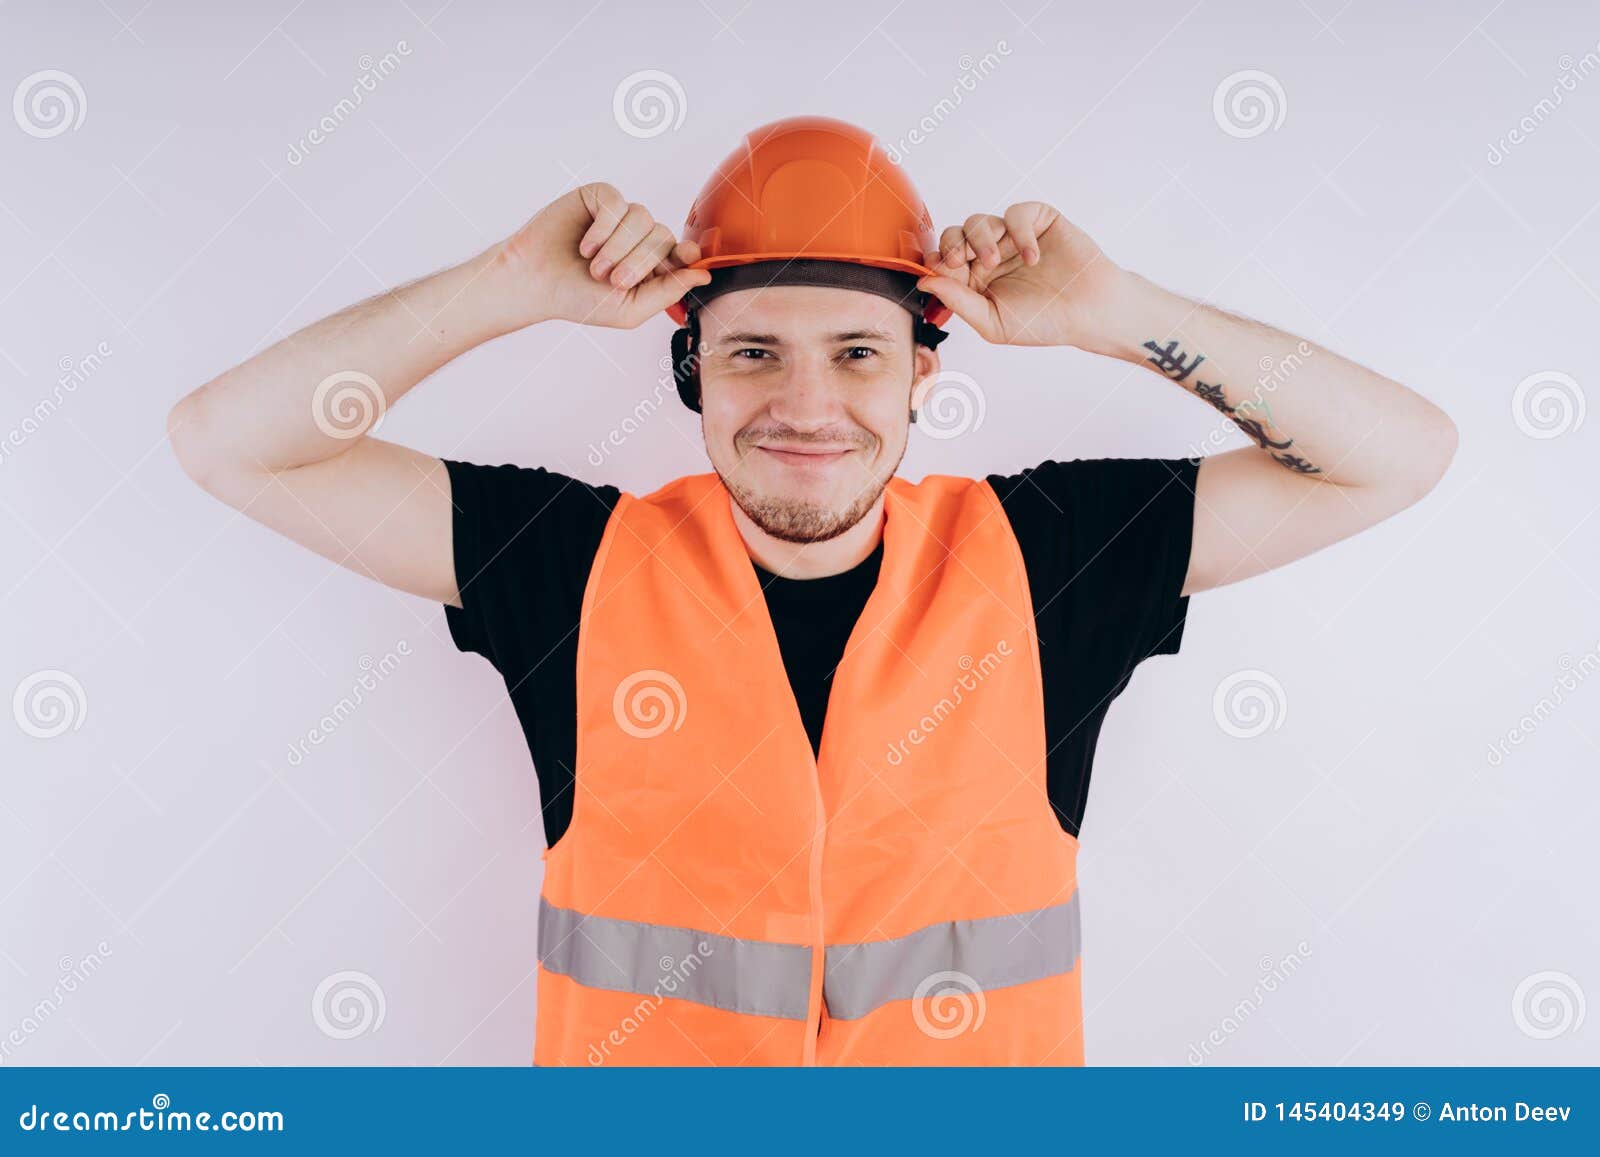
(524, 539)
(1106, 542)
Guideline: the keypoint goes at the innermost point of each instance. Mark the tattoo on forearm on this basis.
(1170, 360)
(1175, 364)
(1296, 463)
(1254, 428)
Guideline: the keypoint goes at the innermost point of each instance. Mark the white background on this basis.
(226, 884)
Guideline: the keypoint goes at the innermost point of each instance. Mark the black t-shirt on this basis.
(1105, 542)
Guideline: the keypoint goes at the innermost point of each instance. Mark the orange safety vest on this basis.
(722, 897)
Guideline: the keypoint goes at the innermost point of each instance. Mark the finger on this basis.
(1022, 223)
(639, 261)
(950, 259)
(652, 296)
(984, 231)
(632, 229)
(953, 247)
(969, 305)
(683, 253)
(607, 207)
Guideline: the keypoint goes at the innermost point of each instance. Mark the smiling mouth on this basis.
(796, 456)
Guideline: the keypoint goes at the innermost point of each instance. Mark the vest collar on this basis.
(900, 531)
(747, 613)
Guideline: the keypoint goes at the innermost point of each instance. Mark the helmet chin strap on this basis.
(924, 332)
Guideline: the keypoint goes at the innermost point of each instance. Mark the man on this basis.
(813, 741)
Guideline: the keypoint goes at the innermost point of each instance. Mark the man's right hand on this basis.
(595, 258)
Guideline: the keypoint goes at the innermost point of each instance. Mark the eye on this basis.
(749, 350)
(860, 349)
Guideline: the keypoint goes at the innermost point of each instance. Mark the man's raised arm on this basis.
(1338, 448)
(283, 437)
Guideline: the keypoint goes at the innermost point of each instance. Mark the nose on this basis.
(804, 399)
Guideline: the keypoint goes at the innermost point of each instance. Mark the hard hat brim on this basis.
(936, 313)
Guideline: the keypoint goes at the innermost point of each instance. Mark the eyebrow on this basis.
(746, 338)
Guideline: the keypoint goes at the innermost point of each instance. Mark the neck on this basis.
(809, 560)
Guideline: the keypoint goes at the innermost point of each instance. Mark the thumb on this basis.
(968, 304)
(658, 292)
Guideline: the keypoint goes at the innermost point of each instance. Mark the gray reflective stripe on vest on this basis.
(751, 976)
(995, 952)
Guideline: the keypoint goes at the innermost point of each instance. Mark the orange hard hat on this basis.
(811, 188)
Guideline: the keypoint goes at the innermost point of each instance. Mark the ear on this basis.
(926, 369)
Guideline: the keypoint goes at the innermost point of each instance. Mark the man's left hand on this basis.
(1030, 277)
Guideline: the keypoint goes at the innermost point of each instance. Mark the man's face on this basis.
(805, 398)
